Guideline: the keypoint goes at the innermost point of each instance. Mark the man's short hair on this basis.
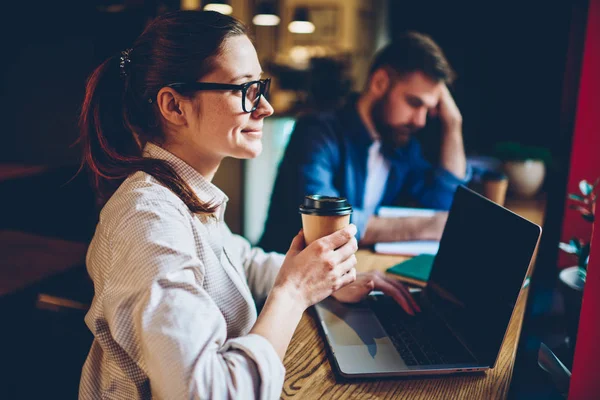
(412, 52)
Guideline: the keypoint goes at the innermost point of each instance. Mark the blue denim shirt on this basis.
(327, 154)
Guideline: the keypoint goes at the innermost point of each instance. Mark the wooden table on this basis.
(310, 376)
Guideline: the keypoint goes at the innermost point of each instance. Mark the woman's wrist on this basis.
(289, 297)
(278, 319)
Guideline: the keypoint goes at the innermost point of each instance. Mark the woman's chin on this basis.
(250, 150)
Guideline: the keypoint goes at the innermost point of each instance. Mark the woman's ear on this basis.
(170, 104)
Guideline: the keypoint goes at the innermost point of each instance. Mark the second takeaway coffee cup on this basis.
(495, 185)
(323, 215)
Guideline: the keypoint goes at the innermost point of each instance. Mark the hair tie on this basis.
(124, 61)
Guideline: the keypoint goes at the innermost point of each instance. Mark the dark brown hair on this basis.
(414, 51)
(119, 113)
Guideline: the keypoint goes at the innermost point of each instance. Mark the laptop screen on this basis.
(479, 270)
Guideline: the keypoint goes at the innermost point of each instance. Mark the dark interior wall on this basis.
(509, 57)
(49, 50)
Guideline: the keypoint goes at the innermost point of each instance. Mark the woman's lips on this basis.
(253, 132)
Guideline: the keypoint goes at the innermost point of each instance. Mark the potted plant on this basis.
(573, 278)
(524, 165)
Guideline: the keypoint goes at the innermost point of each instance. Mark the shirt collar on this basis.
(206, 191)
(354, 125)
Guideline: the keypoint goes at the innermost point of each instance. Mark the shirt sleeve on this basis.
(433, 187)
(261, 267)
(315, 146)
(319, 159)
(157, 298)
(360, 218)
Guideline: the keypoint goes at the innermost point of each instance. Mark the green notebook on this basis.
(417, 267)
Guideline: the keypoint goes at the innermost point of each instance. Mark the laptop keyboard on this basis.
(410, 335)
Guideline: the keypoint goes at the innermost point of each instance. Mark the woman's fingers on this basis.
(400, 286)
(346, 251)
(345, 266)
(337, 239)
(347, 278)
(392, 290)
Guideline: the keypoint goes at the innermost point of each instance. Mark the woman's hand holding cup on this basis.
(312, 273)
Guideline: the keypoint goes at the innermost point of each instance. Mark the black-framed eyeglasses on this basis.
(252, 91)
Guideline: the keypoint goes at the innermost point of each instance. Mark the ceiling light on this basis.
(219, 6)
(265, 15)
(301, 23)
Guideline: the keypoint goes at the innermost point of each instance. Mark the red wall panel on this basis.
(585, 153)
(585, 164)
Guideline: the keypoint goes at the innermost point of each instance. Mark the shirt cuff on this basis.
(360, 219)
(270, 367)
(451, 181)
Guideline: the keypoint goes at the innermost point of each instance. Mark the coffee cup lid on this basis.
(493, 175)
(315, 204)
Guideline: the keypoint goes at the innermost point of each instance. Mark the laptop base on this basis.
(362, 349)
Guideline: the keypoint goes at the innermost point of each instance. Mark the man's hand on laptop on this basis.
(375, 280)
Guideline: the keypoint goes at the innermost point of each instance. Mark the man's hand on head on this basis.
(448, 112)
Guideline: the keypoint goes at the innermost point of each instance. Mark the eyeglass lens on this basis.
(253, 94)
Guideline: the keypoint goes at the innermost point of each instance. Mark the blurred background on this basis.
(519, 72)
(510, 63)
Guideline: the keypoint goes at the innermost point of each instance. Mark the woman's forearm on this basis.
(278, 320)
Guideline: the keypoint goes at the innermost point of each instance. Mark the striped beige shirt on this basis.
(175, 298)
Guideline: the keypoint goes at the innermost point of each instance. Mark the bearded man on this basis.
(366, 151)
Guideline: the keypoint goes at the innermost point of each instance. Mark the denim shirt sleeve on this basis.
(433, 187)
(360, 219)
(307, 167)
(320, 158)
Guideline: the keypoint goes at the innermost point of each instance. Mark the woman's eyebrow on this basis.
(246, 76)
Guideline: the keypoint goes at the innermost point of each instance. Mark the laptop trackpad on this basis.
(359, 342)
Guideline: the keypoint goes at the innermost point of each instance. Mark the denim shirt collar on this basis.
(353, 123)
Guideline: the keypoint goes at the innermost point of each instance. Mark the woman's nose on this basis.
(264, 109)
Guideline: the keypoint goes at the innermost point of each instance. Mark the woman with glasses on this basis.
(174, 312)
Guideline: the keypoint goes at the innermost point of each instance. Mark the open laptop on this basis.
(476, 278)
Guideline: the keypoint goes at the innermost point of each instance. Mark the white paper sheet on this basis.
(397, 212)
(411, 248)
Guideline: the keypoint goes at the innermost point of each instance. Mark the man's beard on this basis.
(392, 137)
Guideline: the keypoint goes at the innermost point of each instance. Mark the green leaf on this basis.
(584, 255)
(582, 274)
(513, 151)
(581, 209)
(585, 187)
(576, 197)
(568, 248)
(575, 243)
(588, 217)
